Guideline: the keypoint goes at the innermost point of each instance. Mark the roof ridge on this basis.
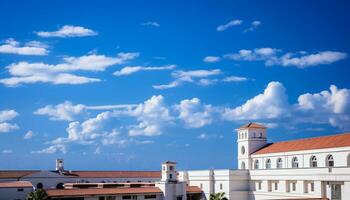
(314, 137)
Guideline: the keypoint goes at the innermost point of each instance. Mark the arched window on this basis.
(39, 186)
(313, 161)
(243, 165)
(242, 150)
(295, 163)
(59, 186)
(256, 164)
(268, 164)
(329, 161)
(279, 163)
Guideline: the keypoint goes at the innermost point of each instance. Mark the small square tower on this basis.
(169, 171)
(250, 138)
(59, 165)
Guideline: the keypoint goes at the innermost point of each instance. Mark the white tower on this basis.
(172, 188)
(250, 138)
(169, 172)
(59, 165)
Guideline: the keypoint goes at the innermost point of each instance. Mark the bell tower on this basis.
(250, 138)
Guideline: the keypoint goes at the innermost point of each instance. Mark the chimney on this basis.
(59, 165)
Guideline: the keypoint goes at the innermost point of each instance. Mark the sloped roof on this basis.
(102, 191)
(193, 189)
(323, 142)
(16, 184)
(252, 125)
(117, 174)
(16, 173)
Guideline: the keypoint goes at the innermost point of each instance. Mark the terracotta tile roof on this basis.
(102, 191)
(193, 189)
(252, 125)
(15, 173)
(117, 174)
(323, 142)
(16, 184)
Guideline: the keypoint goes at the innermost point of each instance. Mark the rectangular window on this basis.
(153, 196)
(294, 186)
(259, 185)
(220, 186)
(170, 176)
(276, 186)
(171, 168)
(127, 197)
(179, 198)
(20, 189)
(201, 186)
(101, 198)
(312, 187)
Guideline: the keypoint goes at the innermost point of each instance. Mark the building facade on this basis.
(311, 168)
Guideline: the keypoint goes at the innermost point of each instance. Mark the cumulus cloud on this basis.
(332, 106)
(271, 104)
(152, 115)
(151, 23)
(11, 46)
(211, 59)
(5, 117)
(68, 31)
(52, 149)
(24, 72)
(194, 114)
(235, 22)
(29, 135)
(188, 76)
(134, 69)
(272, 56)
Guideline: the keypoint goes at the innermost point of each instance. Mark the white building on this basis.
(299, 169)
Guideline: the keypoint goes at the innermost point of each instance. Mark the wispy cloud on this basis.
(211, 59)
(25, 73)
(254, 25)
(29, 135)
(134, 69)
(272, 56)
(235, 22)
(68, 31)
(151, 23)
(11, 46)
(188, 76)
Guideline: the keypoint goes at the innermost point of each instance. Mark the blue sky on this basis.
(125, 85)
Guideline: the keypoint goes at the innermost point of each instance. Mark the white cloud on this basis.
(194, 114)
(7, 127)
(231, 23)
(29, 135)
(211, 59)
(188, 76)
(206, 81)
(271, 104)
(24, 72)
(301, 60)
(11, 46)
(151, 23)
(152, 115)
(332, 106)
(68, 31)
(64, 111)
(5, 116)
(7, 151)
(52, 149)
(133, 69)
(235, 79)
(254, 25)
(205, 136)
